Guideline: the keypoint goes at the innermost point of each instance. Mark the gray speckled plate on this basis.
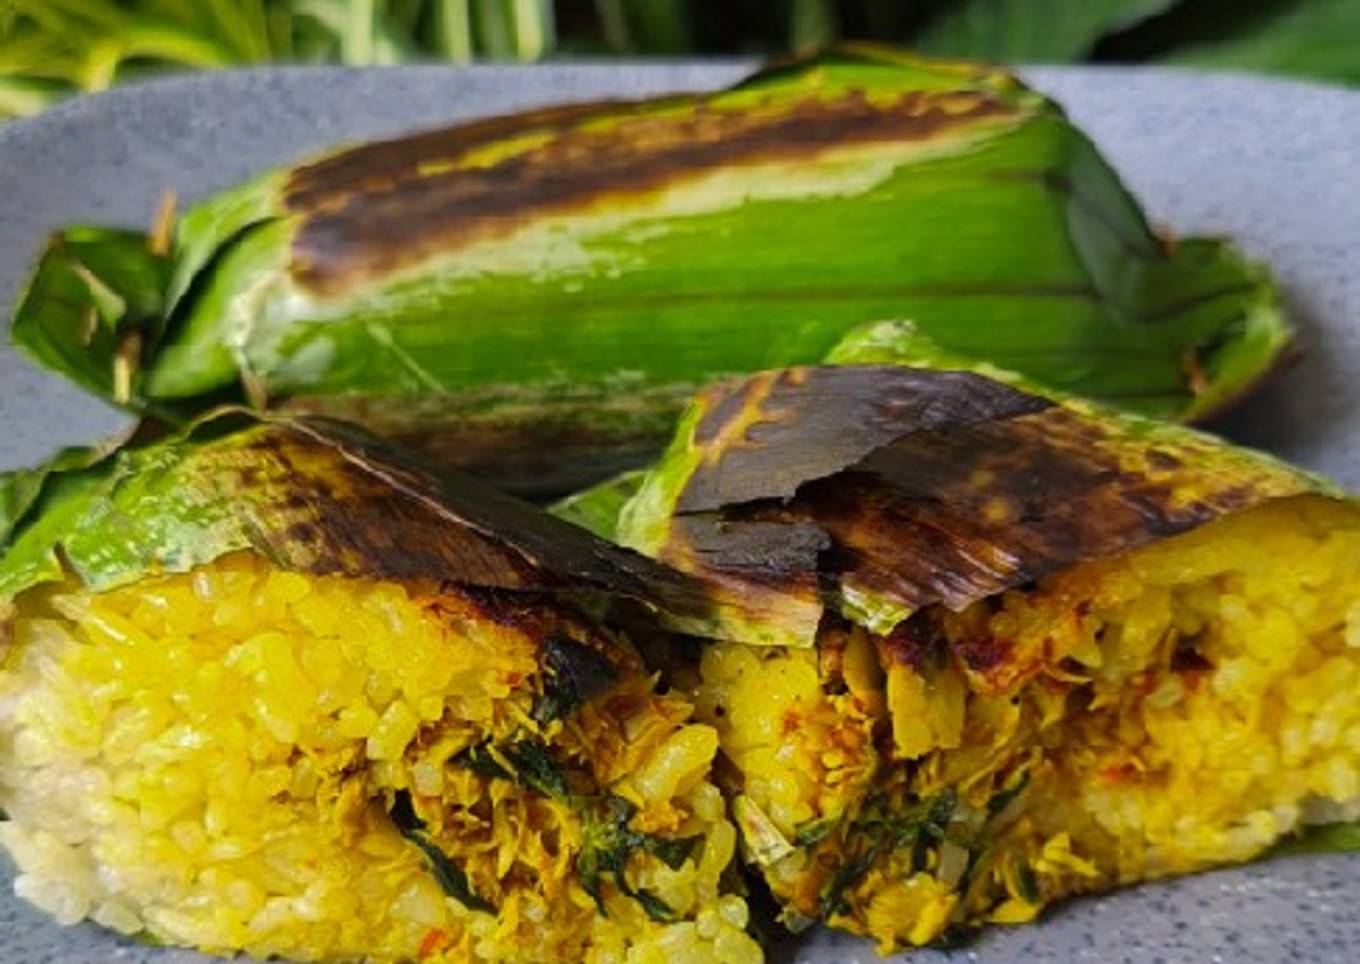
(1275, 165)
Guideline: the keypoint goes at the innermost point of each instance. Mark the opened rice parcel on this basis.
(1000, 650)
(268, 687)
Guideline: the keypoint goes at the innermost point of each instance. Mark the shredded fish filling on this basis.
(1184, 705)
(329, 768)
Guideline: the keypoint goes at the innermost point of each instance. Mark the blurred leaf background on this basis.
(50, 49)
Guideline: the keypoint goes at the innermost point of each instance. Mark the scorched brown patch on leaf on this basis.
(331, 181)
(801, 424)
(369, 510)
(385, 221)
(917, 488)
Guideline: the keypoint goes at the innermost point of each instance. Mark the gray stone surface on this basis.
(1276, 165)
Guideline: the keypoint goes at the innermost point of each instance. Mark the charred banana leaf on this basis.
(535, 296)
(1011, 649)
(270, 687)
(879, 490)
(311, 495)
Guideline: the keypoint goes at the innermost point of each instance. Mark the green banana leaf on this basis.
(597, 509)
(95, 297)
(536, 296)
(312, 496)
(875, 491)
(1332, 838)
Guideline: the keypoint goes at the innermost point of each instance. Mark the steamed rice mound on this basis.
(325, 768)
(1181, 706)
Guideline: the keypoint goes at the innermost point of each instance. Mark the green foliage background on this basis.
(52, 48)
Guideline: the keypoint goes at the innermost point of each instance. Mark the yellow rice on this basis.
(1181, 706)
(209, 759)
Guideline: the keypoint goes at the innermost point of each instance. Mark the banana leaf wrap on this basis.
(322, 704)
(535, 296)
(1000, 649)
(311, 495)
(880, 490)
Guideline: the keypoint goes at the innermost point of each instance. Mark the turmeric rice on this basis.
(336, 768)
(1182, 705)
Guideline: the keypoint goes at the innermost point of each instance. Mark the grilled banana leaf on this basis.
(535, 296)
(310, 495)
(597, 509)
(877, 491)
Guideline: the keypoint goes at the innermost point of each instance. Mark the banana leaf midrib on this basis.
(1009, 291)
